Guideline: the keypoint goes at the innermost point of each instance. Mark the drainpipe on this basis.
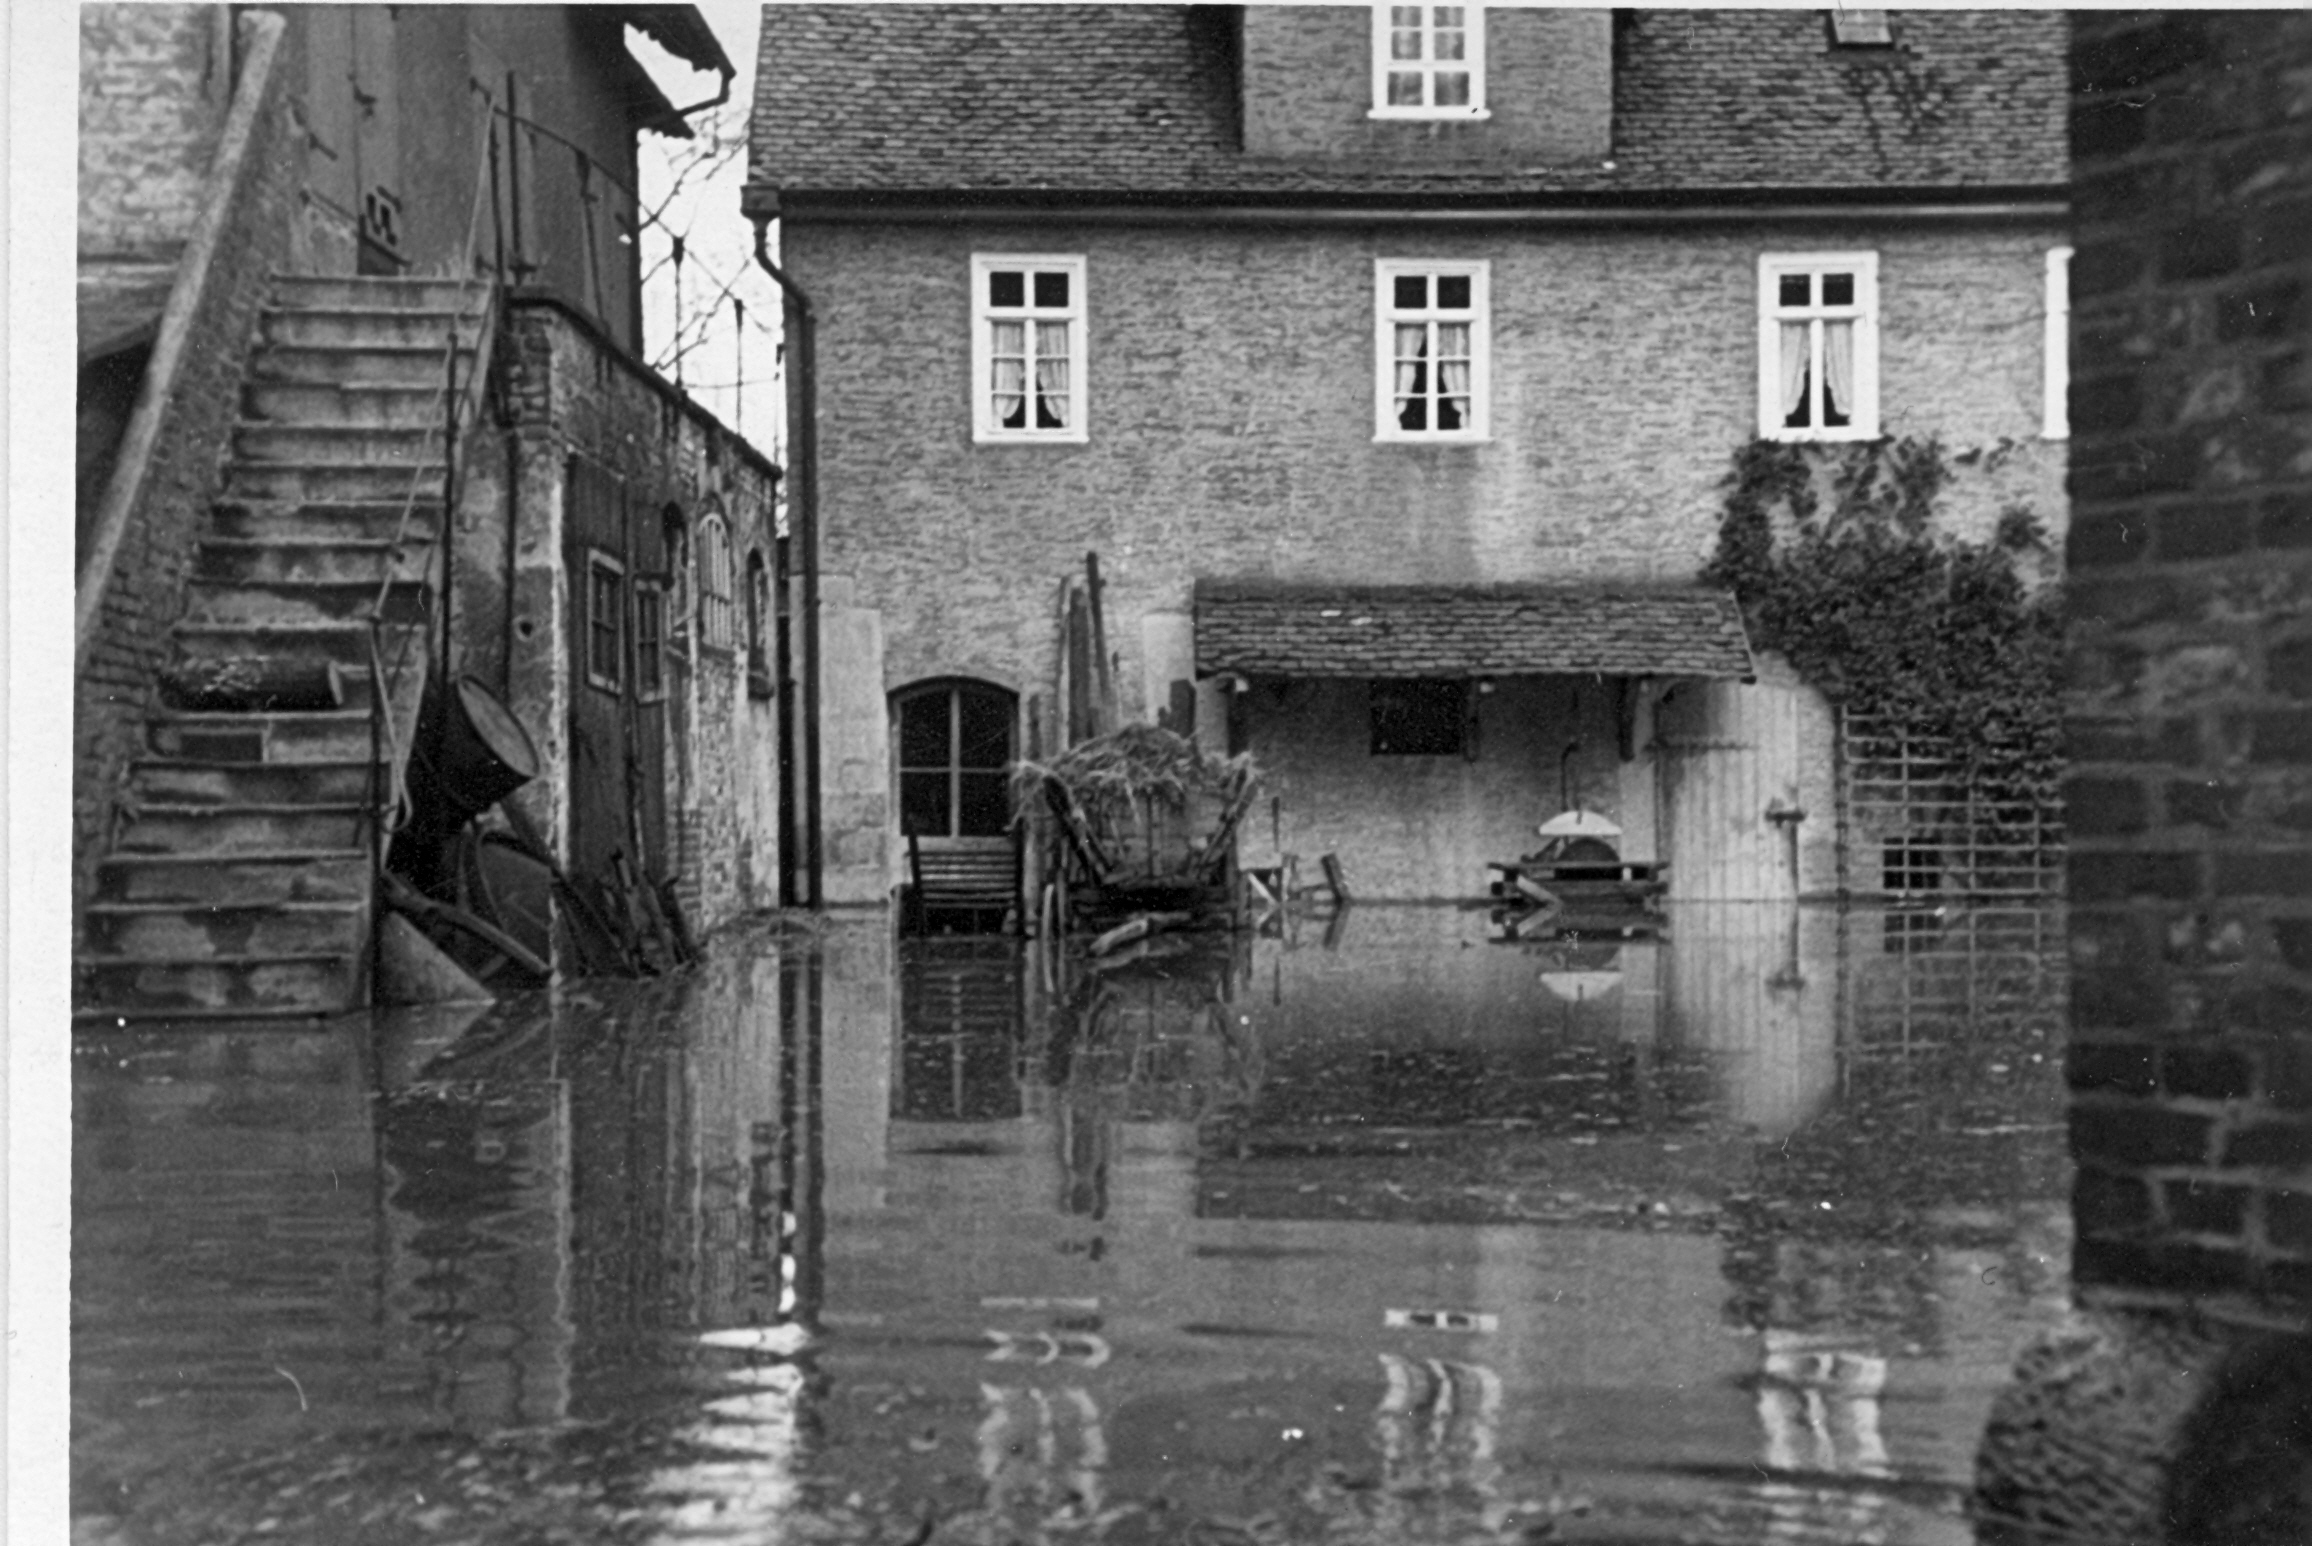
(804, 383)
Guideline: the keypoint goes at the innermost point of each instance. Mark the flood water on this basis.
(1374, 1230)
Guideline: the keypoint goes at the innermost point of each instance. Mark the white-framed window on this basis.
(1818, 346)
(1027, 348)
(605, 622)
(2055, 421)
(1428, 61)
(715, 625)
(1430, 349)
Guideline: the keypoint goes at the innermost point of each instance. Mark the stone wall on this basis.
(2190, 712)
(1230, 417)
(571, 390)
(155, 83)
(131, 590)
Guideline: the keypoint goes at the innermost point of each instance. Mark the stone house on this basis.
(343, 269)
(1391, 360)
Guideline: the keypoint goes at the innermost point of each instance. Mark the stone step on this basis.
(401, 365)
(415, 522)
(304, 291)
(307, 561)
(237, 880)
(241, 829)
(400, 446)
(316, 983)
(176, 931)
(251, 601)
(334, 483)
(344, 640)
(343, 403)
(192, 781)
(339, 736)
(366, 327)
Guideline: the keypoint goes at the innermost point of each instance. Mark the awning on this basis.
(1260, 629)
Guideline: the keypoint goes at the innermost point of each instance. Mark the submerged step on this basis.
(319, 983)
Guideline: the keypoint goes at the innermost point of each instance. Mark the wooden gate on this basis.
(1729, 760)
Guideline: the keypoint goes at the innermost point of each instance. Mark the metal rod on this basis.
(806, 544)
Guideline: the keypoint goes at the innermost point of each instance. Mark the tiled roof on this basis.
(1442, 631)
(1140, 98)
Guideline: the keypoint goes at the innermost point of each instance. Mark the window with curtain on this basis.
(1428, 61)
(954, 741)
(1027, 348)
(1431, 350)
(1818, 346)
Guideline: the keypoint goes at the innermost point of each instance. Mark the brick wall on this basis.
(572, 390)
(1231, 417)
(155, 81)
(143, 586)
(2190, 708)
(1308, 90)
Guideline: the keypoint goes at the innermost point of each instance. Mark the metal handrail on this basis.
(452, 404)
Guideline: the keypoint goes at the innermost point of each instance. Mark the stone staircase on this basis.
(239, 881)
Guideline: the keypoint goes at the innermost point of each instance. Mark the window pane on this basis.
(1452, 45)
(1797, 289)
(1007, 287)
(923, 731)
(1452, 88)
(923, 803)
(1453, 292)
(1838, 289)
(1411, 292)
(1405, 16)
(987, 722)
(1412, 413)
(1404, 89)
(1452, 342)
(986, 809)
(1405, 44)
(1446, 15)
(1051, 289)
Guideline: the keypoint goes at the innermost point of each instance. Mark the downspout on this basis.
(805, 386)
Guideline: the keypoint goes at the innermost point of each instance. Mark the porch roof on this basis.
(1263, 629)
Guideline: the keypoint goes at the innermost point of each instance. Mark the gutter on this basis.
(805, 404)
(877, 210)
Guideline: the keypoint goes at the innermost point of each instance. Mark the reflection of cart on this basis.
(1576, 882)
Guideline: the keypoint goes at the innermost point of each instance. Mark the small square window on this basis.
(1428, 61)
(1818, 346)
(1027, 349)
(1419, 718)
(1431, 351)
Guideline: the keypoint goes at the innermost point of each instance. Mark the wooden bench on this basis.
(971, 879)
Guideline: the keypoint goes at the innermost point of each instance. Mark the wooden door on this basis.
(600, 665)
(1729, 756)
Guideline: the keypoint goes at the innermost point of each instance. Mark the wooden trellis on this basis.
(1911, 826)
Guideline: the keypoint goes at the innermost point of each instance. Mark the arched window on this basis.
(716, 623)
(954, 742)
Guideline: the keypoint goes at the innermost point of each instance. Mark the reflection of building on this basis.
(1397, 424)
(341, 265)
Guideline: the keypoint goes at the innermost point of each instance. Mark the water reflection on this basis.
(1728, 1234)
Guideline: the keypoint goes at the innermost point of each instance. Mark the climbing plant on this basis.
(1841, 567)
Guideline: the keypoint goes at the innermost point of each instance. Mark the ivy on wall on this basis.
(1841, 567)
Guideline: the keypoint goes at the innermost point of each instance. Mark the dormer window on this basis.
(1860, 29)
(1428, 61)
